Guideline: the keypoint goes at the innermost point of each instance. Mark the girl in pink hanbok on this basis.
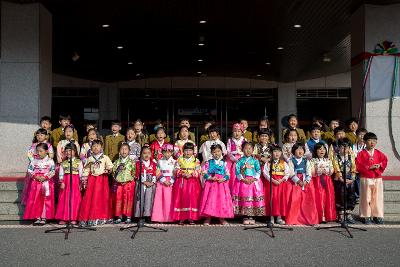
(248, 190)
(40, 201)
(40, 137)
(162, 207)
(216, 200)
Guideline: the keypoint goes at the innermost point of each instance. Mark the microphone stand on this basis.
(140, 223)
(69, 226)
(270, 225)
(344, 224)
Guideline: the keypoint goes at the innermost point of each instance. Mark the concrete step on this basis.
(11, 209)
(10, 196)
(7, 217)
(12, 186)
(392, 196)
(391, 185)
(392, 218)
(392, 208)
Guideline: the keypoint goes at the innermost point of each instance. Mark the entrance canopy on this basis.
(281, 40)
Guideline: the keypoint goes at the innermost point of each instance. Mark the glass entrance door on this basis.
(222, 106)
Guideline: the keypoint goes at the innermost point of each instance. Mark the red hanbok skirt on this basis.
(302, 208)
(186, 199)
(325, 198)
(95, 204)
(279, 198)
(123, 199)
(63, 210)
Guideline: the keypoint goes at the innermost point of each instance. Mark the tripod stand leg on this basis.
(67, 233)
(348, 231)
(135, 232)
(156, 228)
(356, 228)
(270, 226)
(56, 229)
(254, 227)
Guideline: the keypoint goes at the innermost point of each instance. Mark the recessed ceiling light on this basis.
(130, 63)
(197, 95)
(137, 74)
(75, 56)
(199, 72)
(326, 59)
(202, 21)
(201, 44)
(200, 60)
(280, 48)
(267, 63)
(258, 75)
(297, 25)
(120, 47)
(105, 25)
(248, 95)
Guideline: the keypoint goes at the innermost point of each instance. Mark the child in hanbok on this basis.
(234, 151)
(40, 201)
(69, 138)
(156, 145)
(183, 139)
(123, 172)
(134, 146)
(371, 164)
(85, 149)
(146, 171)
(321, 171)
(95, 206)
(69, 190)
(187, 188)
(302, 208)
(41, 136)
(162, 208)
(262, 148)
(248, 191)
(214, 138)
(291, 137)
(280, 175)
(216, 200)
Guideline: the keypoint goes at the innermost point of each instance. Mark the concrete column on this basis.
(286, 103)
(25, 80)
(109, 104)
(372, 25)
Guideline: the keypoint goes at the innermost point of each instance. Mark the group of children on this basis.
(163, 182)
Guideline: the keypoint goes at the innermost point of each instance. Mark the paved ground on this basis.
(205, 246)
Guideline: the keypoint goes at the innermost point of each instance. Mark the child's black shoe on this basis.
(367, 221)
(378, 220)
